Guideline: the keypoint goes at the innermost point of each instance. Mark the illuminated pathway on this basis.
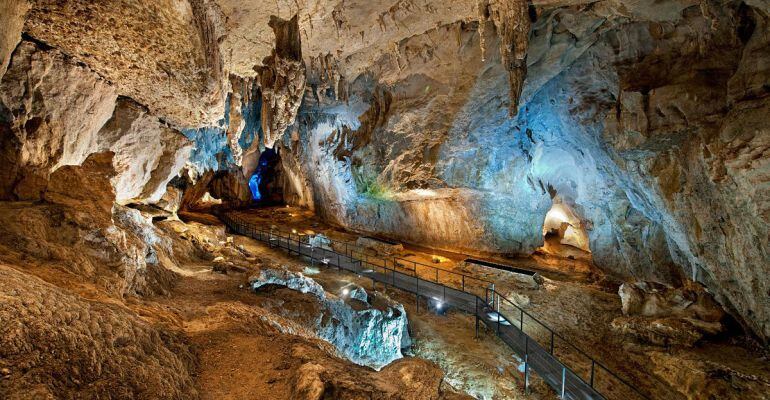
(447, 288)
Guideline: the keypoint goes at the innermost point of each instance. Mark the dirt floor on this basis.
(579, 309)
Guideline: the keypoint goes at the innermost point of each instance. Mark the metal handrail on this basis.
(351, 248)
(555, 335)
(489, 288)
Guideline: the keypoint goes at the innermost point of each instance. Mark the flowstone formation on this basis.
(366, 334)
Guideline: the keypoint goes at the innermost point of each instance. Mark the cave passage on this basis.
(264, 184)
(563, 231)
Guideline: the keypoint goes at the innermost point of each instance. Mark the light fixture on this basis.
(424, 192)
(345, 291)
(294, 231)
(439, 303)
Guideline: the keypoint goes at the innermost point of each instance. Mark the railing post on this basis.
(521, 320)
(417, 293)
(498, 312)
(593, 368)
(477, 317)
(463, 282)
(563, 379)
(526, 364)
(551, 342)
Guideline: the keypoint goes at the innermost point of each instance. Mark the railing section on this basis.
(467, 293)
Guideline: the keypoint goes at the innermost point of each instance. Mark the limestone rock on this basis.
(380, 247)
(55, 124)
(663, 315)
(367, 334)
(164, 54)
(87, 184)
(82, 234)
(665, 331)
(148, 153)
(289, 279)
(13, 13)
(407, 379)
(282, 79)
(171, 199)
(652, 299)
(71, 347)
(320, 241)
(664, 166)
(512, 24)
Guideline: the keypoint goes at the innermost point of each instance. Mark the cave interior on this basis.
(396, 199)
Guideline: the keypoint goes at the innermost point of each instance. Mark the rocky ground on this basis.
(76, 325)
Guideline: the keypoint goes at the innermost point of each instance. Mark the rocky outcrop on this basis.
(664, 316)
(53, 109)
(56, 110)
(148, 153)
(79, 233)
(13, 13)
(644, 120)
(363, 333)
(409, 379)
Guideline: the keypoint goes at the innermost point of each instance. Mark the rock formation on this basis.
(367, 335)
(282, 78)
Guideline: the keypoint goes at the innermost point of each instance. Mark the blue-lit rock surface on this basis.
(367, 334)
(647, 126)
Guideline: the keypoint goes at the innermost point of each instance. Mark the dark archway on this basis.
(265, 184)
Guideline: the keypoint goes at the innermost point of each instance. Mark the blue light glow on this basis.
(257, 183)
(254, 182)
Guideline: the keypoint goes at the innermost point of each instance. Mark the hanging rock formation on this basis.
(282, 80)
(511, 21)
(163, 54)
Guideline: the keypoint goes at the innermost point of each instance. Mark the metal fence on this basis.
(586, 378)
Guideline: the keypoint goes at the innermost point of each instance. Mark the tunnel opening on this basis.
(265, 183)
(564, 233)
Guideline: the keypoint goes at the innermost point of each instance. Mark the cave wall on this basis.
(649, 124)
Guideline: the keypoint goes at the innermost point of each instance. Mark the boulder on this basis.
(380, 247)
(367, 334)
(651, 299)
(321, 241)
(663, 315)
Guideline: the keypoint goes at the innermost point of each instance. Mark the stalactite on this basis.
(282, 78)
(511, 22)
